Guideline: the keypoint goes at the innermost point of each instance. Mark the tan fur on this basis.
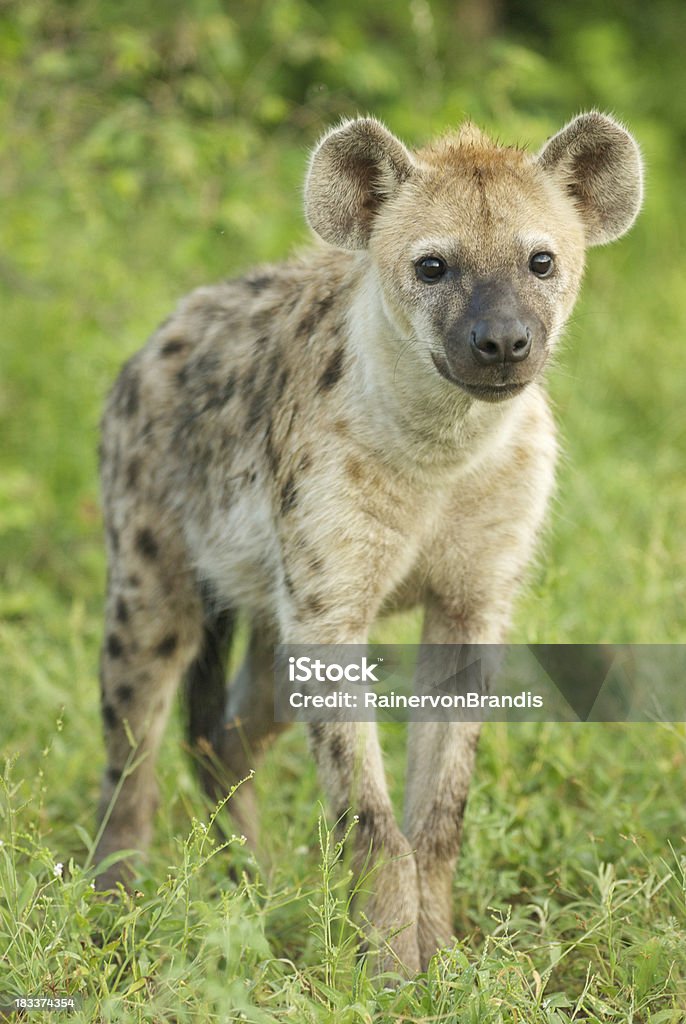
(319, 442)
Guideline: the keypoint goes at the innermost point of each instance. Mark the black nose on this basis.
(500, 341)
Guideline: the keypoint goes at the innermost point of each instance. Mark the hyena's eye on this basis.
(542, 264)
(430, 268)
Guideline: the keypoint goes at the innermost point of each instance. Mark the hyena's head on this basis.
(477, 250)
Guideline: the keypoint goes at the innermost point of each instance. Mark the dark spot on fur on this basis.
(288, 583)
(316, 730)
(109, 716)
(325, 304)
(248, 382)
(126, 391)
(182, 376)
(353, 468)
(254, 411)
(366, 821)
(281, 383)
(315, 605)
(307, 324)
(134, 580)
(130, 396)
(305, 461)
(333, 372)
(121, 611)
(289, 495)
(316, 564)
(115, 648)
(273, 457)
(229, 388)
(146, 544)
(167, 646)
(260, 396)
(124, 693)
(132, 471)
(205, 364)
(114, 539)
(173, 347)
(337, 750)
(114, 775)
(259, 283)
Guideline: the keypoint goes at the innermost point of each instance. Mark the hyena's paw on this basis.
(434, 929)
(391, 918)
(122, 870)
(398, 954)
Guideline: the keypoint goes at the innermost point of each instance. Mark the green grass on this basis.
(571, 891)
(571, 894)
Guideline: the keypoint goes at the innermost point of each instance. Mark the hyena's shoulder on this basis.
(221, 337)
(231, 372)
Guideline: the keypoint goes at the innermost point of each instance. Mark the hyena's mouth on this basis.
(485, 392)
(492, 393)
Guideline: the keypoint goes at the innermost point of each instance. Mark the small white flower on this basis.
(58, 869)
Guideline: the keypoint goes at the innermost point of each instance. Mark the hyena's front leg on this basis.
(350, 767)
(441, 759)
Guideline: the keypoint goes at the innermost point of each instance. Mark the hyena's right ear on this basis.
(353, 170)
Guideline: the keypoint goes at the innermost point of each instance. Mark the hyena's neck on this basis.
(401, 404)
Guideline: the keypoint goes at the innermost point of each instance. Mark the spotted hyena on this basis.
(358, 430)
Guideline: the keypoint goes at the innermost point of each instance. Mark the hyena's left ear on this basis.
(599, 164)
(354, 169)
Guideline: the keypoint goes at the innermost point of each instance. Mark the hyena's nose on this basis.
(500, 341)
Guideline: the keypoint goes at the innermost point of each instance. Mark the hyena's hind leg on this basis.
(153, 628)
(238, 722)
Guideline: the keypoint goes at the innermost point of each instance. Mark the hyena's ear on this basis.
(599, 164)
(353, 170)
